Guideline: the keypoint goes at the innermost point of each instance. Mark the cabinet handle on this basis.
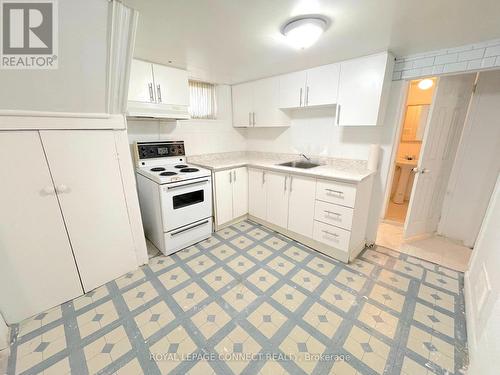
(285, 183)
(330, 233)
(230, 177)
(263, 177)
(338, 114)
(332, 213)
(172, 234)
(307, 96)
(253, 118)
(300, 105)
(249, 118)
(291, 180)
(158, 89)
(151, 96)
(234, 179)
(335, 191)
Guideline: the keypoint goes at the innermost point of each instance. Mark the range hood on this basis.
(154, 110)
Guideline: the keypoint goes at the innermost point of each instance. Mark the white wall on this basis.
(318, 135)
(476, 165)
(3, 334)
(200, 136)
(482, 294)
(79, 84)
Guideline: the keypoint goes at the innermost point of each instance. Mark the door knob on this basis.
(48, 190)
(420, 170)
(62, 189)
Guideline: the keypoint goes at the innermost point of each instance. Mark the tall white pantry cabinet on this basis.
(65, 227)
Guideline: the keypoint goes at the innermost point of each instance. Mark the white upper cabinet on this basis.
(157, 91)
(141, 82)
(256, 104)
(292, 86)
(363, 90)
(322, 85)
(171, 85)
(308, 88)
(242, 105)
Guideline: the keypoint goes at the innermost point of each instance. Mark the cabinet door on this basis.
(322, 85)
(301, 205)
(360, 90)
(266, 104)
(37, 269)
(257, 194)
(240, 192)
(223, 196)
(171, 85)
(292, 88)
(277, 198)
(86, 173)
(140, 87)
(242, 104)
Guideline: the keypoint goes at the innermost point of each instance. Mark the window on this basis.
(202, 100)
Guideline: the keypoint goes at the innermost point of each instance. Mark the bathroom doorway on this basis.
(432, 121)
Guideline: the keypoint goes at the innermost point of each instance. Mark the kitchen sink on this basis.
(300, 164)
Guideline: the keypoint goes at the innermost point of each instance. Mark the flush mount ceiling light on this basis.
(425, 84)
(303, 31)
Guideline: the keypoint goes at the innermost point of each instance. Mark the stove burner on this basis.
(168, 174)
(180, 166)
(189, 170)
(157, 169)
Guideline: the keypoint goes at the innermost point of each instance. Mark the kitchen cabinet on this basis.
(157, 91)
(231, 195)
(277, 198)
(363, 90)
(313, 87)
(64, 224)
(302, 192)
(257, 193)
(256, 104)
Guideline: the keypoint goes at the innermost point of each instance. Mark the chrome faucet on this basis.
(308, 159)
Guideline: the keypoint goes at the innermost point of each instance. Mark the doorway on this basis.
(432, 121)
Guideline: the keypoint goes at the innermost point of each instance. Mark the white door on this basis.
(242, 104)
(257, 193)
(37, 268)
(240, 192)
(277, 198)
(223, 196)
(360, 90)
(322, 85)
(141, 82)
(86, 173)
(301, 205)
(292, 89)
(171, 85)
(266, 103)
(447, 113)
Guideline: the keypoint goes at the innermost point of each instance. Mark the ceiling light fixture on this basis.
(425, 84)
(303, 31)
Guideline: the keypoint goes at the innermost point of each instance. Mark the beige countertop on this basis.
(345, 170)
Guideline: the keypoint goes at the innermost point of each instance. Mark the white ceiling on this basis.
(229, 41)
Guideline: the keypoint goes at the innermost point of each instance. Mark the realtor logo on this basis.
(29, 34)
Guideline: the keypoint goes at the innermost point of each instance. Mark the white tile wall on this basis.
(471, 57)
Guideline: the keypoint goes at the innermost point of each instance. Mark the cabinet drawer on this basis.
(331, 236)
(333, 214)
(336, 192)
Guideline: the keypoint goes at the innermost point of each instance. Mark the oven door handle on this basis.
(183, 185)
(189, 228)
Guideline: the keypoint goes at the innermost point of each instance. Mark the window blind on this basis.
(202, 104)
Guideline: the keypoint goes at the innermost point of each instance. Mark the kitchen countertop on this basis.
(346, 170)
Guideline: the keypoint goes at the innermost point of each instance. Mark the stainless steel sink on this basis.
(300, 164)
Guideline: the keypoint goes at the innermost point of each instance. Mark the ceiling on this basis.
(230, 41)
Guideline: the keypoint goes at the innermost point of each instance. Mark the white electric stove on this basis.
(175, 197)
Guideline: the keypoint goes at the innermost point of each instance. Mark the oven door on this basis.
(186, 202)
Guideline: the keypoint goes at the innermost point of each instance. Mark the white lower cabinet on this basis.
(231, 195)
(277, 198)
(257, 193)
(302, 191)
(64, 224)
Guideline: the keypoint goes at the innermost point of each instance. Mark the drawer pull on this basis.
(335, 191)
(330, 233)
(332, 213)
